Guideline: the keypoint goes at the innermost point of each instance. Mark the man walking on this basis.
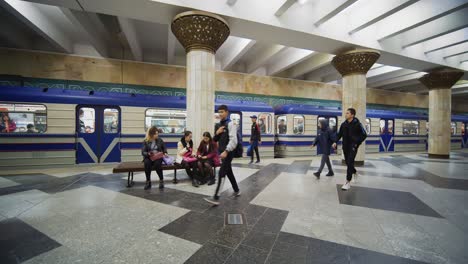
(255, 138)
(353, 134)
(226, 136)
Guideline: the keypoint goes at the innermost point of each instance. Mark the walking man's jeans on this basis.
(255, 149)
(350, 155)
(226, 169)
(325, 159)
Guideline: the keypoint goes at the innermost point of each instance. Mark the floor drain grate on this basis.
(234, 219)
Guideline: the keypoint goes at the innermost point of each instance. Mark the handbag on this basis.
(249, 151)
(156, 156)
(168, 160)
(189, 159)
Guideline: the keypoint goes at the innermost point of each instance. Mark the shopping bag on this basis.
(168, 160)
(249, 151)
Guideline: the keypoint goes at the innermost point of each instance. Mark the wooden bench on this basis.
(133, 166)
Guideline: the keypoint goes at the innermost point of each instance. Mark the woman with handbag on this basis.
(207, 158)
(187, 157)
(153, 151)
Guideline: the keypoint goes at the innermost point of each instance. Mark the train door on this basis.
(98, 134)
(464, 135)
(386, 135)
(332, 123)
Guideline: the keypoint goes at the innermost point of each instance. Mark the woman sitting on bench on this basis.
(207, 158)
(186, 157)
(153, 150)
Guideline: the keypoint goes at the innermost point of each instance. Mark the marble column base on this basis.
(438, 156)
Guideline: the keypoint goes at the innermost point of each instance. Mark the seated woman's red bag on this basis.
(156, 155)
(188, 157)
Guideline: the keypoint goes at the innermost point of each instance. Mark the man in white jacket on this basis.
(226, 136)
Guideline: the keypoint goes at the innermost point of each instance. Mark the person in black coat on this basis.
(325, 138)
(353, 134)
(151, 146)
(255, 138)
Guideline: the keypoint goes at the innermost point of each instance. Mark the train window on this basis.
(265, 123)
(390, 127)
(236, 120)
(217, 119)
(332, 121)
(368, 126)
(168, 121)
(282, 125)
(382, 126)
(298, 124)
(87, 120)
(427, 127)
(111, 120)
(410, 127)
(453, 128)
(23, 118)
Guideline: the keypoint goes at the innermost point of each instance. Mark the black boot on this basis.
(161, 184)
(147, 185)
(330, 173)
(212, 181)
(194, 183)
(317, 174)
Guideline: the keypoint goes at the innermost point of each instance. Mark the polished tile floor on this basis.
(404, 208)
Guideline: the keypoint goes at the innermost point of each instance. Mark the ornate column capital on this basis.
(355, 61)
(200, 30)
(441, 79)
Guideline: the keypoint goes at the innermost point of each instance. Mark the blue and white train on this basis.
(388, 131)
(79, 127)
(56, 127)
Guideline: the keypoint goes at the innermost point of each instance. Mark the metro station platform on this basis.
(404, 208)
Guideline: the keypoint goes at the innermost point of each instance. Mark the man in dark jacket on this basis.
(255, 138)
(353, 134)
(325, 138)
(226, 136)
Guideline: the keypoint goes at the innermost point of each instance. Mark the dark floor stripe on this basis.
(292, 248)
(20, 241)
(397, 201)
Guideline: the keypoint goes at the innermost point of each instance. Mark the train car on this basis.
(388, 130)
(458, 128)
(55, 127)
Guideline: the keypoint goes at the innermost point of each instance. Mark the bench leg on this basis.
(128, 179)
(132, 182)
(175, 181)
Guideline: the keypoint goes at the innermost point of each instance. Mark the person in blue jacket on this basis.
(325, 138)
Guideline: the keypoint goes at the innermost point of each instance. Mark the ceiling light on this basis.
(302, 2)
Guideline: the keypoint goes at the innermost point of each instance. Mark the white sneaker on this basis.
(346, 186)
(212, 201)
(355, 177)
(235, 194)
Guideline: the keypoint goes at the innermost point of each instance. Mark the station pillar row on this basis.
(353, 66)
(201, 34)
(439, 84)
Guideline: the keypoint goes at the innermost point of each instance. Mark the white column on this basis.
(353, 66)
(201, 34)
(440, 105)
(200, 93)
(440, 108)
(354, 96)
